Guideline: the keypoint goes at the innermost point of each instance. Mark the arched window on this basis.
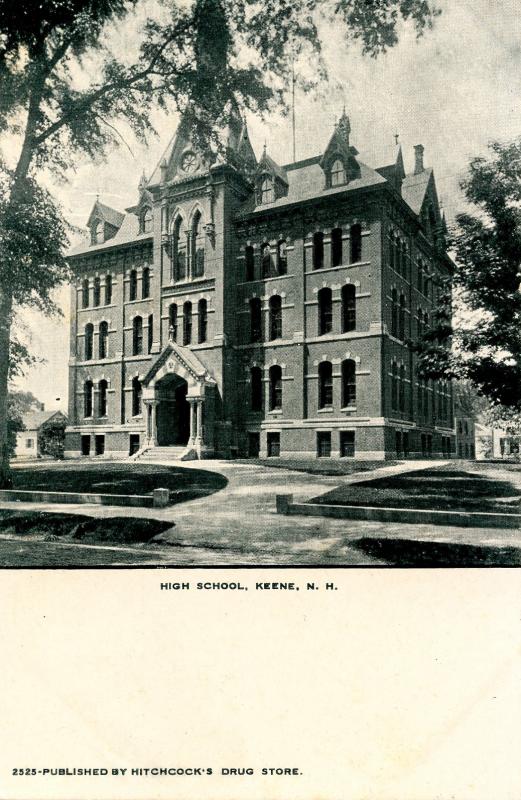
(401, 318)
(348, 308)
(336, 247)
(394, 385)
(97, 232)
(355, 243)
(150, 332)
(403, 259)
(256, 389)
(325, 311)
(187, 323)
(137, 393)
(89, 341)
(103, 339)
(267, 193)
(275, 317)
(137, 336)
(108, 289)
(267, 261)
(318, 250)
(102, 398)
(88, 390)
(132, 285)
(325, 384)
(275, 387)
(249, 258)
(392, 261)
(178, 251)
(85, 293)
(420, 275)
(172, 322)
(202, 318)
(401, 391)
(338, 173)
(348, 383)
(394, 313)
(146, 220)
(145, 283)
(96, 295)
(282, 258)
(197, 254)
(420, 325)
(255, 319)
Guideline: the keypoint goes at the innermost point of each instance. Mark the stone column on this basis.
(153, 423)
(199, 436)
(193, 422)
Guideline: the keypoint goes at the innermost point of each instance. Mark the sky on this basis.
(454, 90)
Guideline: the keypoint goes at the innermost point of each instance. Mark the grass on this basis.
(412, 553)
(440, 489)
(318, 466)
(80, 528)
(120, 478)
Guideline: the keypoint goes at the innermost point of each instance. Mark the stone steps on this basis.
(172, 453)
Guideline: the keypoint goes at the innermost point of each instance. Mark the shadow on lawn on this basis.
(413, 553)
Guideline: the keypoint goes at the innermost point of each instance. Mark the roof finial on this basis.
(265, 146)
(396, 138)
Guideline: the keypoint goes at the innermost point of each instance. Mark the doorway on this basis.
(173, 412)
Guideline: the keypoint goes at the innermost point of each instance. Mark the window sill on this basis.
(276, 412)
(325, 410)
(348, 408)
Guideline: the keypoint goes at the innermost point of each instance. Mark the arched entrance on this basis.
(173, 411)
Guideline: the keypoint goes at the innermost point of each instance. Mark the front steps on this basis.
(155, 454)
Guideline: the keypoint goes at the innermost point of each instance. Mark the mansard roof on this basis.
(107, 214)
(127, 233)
(267, 164)
(415, 188)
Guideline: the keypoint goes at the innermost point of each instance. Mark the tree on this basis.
(194, 61)
(483, 345)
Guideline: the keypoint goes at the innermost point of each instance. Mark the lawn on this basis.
(79, 527)
(318, 466)
(120, 478)
(473, 488)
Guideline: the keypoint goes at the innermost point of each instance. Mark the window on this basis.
(275, 306)
(325, 384)
(103, 339)
(338, 173)
(394, 385)
(325, 311)
(85, 293)
(145, 283)
(420, 325)
(97, 232)
(136, 397)
(137, 336)
(403, 259)
(347, 444)
(187, 323)
(355, 244)
(324, 444)
(348, 308)
(29, 443)
(133, 443)
(275, 387)
(282, 257)
(89, 338)
(99, 444)
(348, 383)
(96, 296)
(178, 251)
(318, 250)
(146, 221)
(132, 285)
(202, 316)
(273, 443)
(249, 258)
(267, 189)
(401, 318)
(401, 389)
(172, 322)
(255, 319)
(197, 248)
(394, 313)
(336, 247)
(256, 389)
(88, 390)
(102, 398)
(150, 333)
(85, 445)
(267, 261)
(420, 275)
(108, 290)
(392, 259)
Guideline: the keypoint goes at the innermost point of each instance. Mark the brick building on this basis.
(242, 308)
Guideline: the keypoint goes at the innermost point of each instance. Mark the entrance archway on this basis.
(173, 411)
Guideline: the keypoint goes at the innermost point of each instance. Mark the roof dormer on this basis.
(338, 162)
(103, 223)
(271, 181)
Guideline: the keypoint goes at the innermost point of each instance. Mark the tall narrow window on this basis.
(146, 221)
(187, 323)
(348, 308)
(172, 322)
(137, 336)
(348, 383)
(197, 249)
(401, 389)
(318, 250)
(255, 319)
(89, 341)
(392, 261)
(267, 191)
(102, 398)
(325, 311)
(275, 387)
(85, 293)
(394, 385)
(336, 247)
(145, 283)
(256, 389)
(88, 390)
(394, 313)
(108, 289)
(137, 393)
(355, 243)
(97, 233)
(103, 339)
(401, 318)
(96, 295)
(202, 317)
(338, 173)
(420, 325)
(282, 257)
(267, 261)
(132, 285)
(178, 251)
(150, 332)
(325, 384)
(249, 258)
(276, 317)
(403, 256)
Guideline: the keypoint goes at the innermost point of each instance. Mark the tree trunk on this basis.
(6, 306)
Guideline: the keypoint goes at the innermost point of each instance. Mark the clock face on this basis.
(189, 162)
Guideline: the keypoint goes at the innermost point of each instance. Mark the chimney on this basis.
(418, 158)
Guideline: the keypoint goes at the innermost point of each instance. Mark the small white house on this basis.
(28, 440)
